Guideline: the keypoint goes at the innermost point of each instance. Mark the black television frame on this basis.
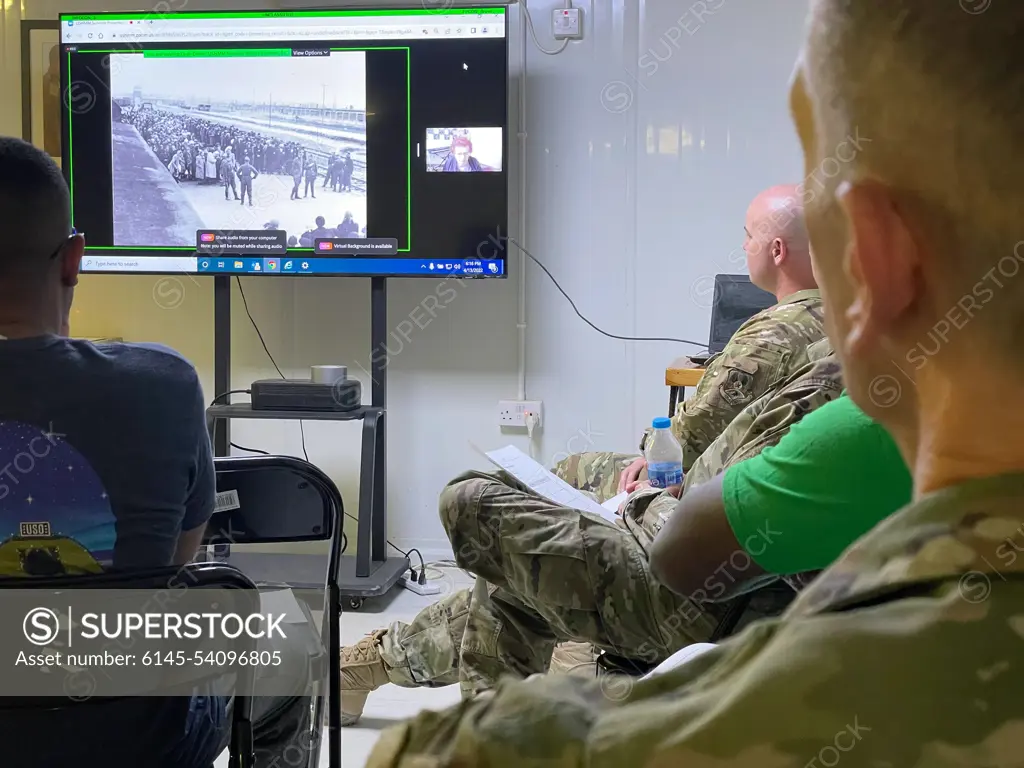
(492, 242)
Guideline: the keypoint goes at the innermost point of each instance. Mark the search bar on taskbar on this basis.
(139, 264)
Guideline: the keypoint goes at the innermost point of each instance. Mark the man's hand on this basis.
(630, 476)
(675, 490)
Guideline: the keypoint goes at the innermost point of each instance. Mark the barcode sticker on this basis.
(226, 500)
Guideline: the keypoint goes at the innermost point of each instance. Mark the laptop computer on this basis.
(736, 300)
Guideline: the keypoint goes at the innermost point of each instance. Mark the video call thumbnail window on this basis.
(464, 150)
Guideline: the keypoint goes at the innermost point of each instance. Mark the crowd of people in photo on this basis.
(196, 149)
(348, 227)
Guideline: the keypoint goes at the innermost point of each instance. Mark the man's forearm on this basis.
(698, 542)
(188, 545)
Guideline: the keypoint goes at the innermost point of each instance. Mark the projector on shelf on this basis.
(306, 395)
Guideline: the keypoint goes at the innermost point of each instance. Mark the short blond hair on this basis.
(937, 87)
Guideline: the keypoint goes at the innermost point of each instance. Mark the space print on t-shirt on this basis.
(55, 515)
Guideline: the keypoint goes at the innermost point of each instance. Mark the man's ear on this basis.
(71, 261)
(881, 261)
(778, 251)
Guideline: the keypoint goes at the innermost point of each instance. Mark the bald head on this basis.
(777, 247)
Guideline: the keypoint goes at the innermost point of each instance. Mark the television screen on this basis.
(298, 142)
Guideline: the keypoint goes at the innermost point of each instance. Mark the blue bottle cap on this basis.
(661, 422)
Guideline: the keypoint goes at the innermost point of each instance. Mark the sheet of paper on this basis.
(679, 658)
(544, 483)
(613, 504)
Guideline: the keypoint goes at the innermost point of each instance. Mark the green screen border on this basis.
(178, 248)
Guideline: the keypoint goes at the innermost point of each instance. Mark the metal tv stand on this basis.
(370, 572)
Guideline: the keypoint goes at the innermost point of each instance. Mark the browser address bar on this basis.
(283, 34)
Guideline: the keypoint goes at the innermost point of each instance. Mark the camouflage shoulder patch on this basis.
(738, 387)
(765, 351)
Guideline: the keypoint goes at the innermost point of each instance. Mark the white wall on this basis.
(646, 141)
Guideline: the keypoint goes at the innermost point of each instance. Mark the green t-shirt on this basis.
(797, 505)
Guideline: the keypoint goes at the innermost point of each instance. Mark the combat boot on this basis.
(362, 671)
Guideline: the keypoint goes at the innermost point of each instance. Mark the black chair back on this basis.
(272, 499)
(281, 499)
(15, 710)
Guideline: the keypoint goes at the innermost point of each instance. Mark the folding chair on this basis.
(281, 499)
(197, 575)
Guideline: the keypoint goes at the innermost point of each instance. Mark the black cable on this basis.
(241, 291)
(302, 436)
(250, 450)
(256, 327)
(229, 393)
(579, 314)
(423, 567)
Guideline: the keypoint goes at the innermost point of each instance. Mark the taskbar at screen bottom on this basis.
(289, 265)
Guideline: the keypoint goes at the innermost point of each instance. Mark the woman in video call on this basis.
(460, 159)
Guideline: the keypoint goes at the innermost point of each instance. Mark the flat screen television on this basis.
(335, 142)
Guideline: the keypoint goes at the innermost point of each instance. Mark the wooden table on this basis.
(679, 375)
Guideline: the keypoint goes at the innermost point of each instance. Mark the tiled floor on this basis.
(390, 704)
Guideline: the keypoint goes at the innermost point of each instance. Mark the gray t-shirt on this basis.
(104, 449)
(104, 445)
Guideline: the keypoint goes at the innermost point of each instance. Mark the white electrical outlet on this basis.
(512, 413)
(566, 23)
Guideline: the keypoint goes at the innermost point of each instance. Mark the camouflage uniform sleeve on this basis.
(822, 384)
(922, 682)
(766, 421)
(751, 364)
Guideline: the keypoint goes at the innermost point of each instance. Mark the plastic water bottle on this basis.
(664, 456)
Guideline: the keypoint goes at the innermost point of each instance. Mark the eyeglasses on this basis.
(64, 243)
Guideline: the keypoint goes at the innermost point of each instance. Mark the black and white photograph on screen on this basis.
(464, 150)
(251, 142)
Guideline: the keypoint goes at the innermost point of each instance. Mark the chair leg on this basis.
(674, 394)
(243, 751)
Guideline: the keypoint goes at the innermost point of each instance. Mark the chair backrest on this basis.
(272, 499)
(736, 300)
(277, 499)
(97, 711)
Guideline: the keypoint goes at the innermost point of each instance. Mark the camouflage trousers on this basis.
(545, 574)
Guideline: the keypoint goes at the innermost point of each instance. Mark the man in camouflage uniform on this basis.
(764, 422)
(763, 352)
(594, 583)
(761, 424)
(905, 652)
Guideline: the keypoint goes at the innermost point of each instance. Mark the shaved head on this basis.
(35, 208)
(39, 258)
(910, 114)
(939, 96)
(777, 247)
